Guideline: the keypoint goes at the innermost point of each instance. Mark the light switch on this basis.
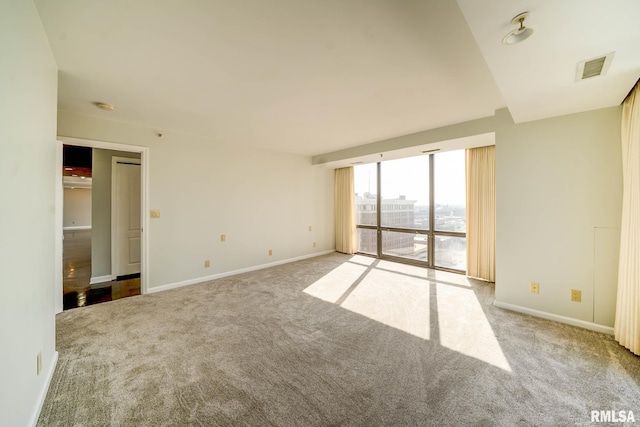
(155, 214)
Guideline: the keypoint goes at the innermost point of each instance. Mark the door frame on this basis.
(58, 225)
(114, 161)
(144, 203)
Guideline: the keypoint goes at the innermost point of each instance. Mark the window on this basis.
(406, 245)
(366, 207)
(367, 241)
(414, 209)
(450, 210)
(450, 192)
(405, 193)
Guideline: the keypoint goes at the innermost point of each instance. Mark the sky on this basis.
(410, 177)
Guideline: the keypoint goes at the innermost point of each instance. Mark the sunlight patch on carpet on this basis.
(464, 326)
(414, 300)
(334, 284)
(402, 304)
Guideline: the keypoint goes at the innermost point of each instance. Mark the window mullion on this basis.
(432, 215)
(379, 209)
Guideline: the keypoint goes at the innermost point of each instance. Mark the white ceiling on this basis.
(315, 76)
(537, 78)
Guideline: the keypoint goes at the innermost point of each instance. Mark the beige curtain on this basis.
(627, 325)
(481, 212)
(345, 217)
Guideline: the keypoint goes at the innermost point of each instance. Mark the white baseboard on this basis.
(550, 316)
(100, 279)
(233, 272)
(77, 227)
(45, 389)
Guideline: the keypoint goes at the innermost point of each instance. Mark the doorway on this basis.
(125, 218)
(91, 248)
(77, 192)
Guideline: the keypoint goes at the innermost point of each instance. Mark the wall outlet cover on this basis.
(534, 287)
(576, 295)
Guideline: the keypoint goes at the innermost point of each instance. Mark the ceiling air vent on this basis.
(594, 67)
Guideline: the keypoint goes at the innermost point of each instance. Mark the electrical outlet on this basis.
(270, 252)
(535, 287)
(310, 228)
(155, 214)
(576, 295)
(207, 263)
(223, 237)
(39, 363)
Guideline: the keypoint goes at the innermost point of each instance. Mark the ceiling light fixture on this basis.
(519, 34)
(105, 106)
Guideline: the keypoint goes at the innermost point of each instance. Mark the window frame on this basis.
(431, 233)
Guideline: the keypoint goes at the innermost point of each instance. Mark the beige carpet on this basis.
(328, 341)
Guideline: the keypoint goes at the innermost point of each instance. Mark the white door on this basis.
(126, 210)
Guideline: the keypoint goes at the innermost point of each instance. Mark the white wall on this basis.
(260, 199)
(28, 88)
(77, 207)
(559, 199)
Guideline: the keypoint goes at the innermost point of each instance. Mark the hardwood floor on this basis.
(77, 275)
(77, 260)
